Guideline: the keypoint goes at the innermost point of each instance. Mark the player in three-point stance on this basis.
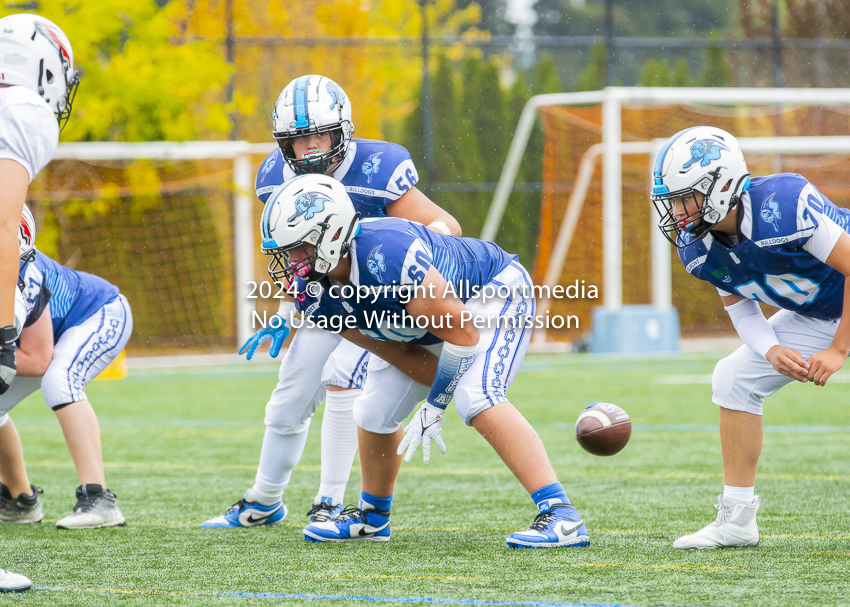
(76, 324)
(775, 240)
(313, 127)
(37, 86)
(387, 257)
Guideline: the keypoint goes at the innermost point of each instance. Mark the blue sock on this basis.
(370, 502)
(548, 495)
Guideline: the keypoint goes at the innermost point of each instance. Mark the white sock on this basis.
(339, 443)
(280, 454)
(741, 494)
(266, 498)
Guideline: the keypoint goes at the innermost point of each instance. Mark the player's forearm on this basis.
(413, 360)
(841, 341)
(9, 264)
(33, 364)
(752, 326)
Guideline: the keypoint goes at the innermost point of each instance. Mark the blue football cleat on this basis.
(248, 514)
(558, 527)
(352, 524)
(323, 511)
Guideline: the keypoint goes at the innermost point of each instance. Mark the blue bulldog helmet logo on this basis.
(704, 151)
(268, 166)
(371, 166)
(770, 212)
(308, 205)
(337, 96)
(375, 262)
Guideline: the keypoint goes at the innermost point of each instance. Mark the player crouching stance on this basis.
(311, 229)
(775, 240)
(65, 344)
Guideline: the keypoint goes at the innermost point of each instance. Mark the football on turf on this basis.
(603, 429)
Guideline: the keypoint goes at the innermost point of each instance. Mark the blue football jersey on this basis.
(374, 173)
(785, 232)
(390, 257)
(74, 295)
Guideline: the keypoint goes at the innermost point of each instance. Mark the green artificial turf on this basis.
(181, 445)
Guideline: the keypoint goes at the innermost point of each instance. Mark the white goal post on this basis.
(613, 148)
(240, 152)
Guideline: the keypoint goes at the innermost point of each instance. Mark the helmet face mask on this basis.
(698, 159)
(312, 105)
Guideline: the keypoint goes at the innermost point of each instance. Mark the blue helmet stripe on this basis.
(659, 161)
(302, 115)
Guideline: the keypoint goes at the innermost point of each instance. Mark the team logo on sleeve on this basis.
(722, 274)
(704, 151)
(375, 262)
(268, 166)
(308, 205)
(770, 211)
(371, 166)
(337, 96)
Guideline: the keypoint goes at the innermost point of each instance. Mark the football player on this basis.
(775, 240)
(313, 127)
(370, 273)
(37, 87)
(65, 344)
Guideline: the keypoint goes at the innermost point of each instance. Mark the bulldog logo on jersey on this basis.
(770, 211)
(337, 96)
(267, 168)
(308, 205)
(704, 150)
(371, 166)
(375, 262)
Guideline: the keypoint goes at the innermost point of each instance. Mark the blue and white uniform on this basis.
(786, 231)
(92, 323)
(391, 255)
(375, 174)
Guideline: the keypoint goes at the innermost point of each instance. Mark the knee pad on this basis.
(730, 390)
(373, 419)
(59, 390)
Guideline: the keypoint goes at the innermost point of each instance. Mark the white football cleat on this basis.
(13, 582)
(735, 527)
(96, 507)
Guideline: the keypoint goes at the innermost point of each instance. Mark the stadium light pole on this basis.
(229, 44)
(427, 105)
(609, 42)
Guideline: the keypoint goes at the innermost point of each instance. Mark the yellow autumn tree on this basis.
(137, 85)
(381, 79)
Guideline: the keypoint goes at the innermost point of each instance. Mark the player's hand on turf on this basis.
(425, 426)
(788, 362)
(823, 364)
(8, 366)
(275, 330)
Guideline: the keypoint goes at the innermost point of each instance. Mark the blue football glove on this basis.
(277, 335)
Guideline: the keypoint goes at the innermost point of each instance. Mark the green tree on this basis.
(593, 77)
(716, 70)
(657, 72)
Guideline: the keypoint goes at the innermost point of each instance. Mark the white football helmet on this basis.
(26, 235)
(308, 210)
(312, 105)
(36, 54)
(702, 158)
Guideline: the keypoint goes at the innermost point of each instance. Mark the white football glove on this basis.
(425, 426)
